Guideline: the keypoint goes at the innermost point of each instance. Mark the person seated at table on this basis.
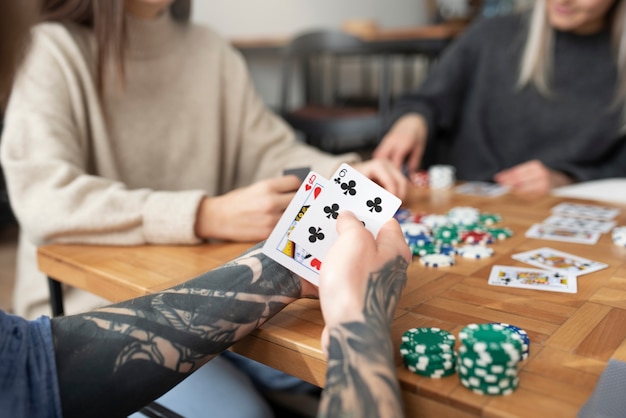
(129, 125)
(116, 359)
(531, 101)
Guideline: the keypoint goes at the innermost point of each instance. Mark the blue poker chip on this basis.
(437, 260)
(402, 215)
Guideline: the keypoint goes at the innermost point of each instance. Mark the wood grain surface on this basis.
(572, 335)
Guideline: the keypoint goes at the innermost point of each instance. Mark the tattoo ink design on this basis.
(174, 332)
(361, 381)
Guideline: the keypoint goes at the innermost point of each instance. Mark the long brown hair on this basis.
(15, 20)
(106, 18)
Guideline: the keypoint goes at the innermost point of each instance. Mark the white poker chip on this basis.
(413, 228)
(619, 236)
(435, 221)
(437, 260)
(475, 251)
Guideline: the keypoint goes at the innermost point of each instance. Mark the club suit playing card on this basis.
(351, 191)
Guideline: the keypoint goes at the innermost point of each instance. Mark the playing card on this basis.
(585, 211)
(527, 278)
(551, 259)
(584, 224)
(317, 230)
(557, 233)
(349, 190)
(481, 188)
(279, 245)
(365, 198)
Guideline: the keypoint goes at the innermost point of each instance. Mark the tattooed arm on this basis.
(359, 288)
(114, 360)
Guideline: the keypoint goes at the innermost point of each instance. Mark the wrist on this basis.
(207, 222)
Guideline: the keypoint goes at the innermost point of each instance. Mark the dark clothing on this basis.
(28, 377)
(471, 99)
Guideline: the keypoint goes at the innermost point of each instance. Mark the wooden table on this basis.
(572, 335)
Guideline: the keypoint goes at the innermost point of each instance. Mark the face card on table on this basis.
(527, 278)
(279, 245)
(585, 211)
(556, 233)
(551, 259)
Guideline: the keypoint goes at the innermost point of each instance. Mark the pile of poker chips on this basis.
(429, 352)
(419, 179)
(488, 358)
(437, 238)
(441, 176)
(619, 236)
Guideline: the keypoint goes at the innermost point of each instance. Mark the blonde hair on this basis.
(537, 59)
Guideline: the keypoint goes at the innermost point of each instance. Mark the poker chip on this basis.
(464, 215)
(420, 179)
(441, 176)
(475, 251)
(524, 336)
(437, 260)
(500, 233)
(423, 250)
(435, 221)
(428, 340)
(489, 219)
(413, 229)
(446, 235)
(429, 352)
(619, 236)
(488, 357)
(446, 249)
(476, 237)
(402, 215)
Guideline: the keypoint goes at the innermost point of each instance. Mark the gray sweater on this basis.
(471, 103)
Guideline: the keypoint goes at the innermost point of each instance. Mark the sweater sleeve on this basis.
(52, 118)
(439, 99)
(268, 144)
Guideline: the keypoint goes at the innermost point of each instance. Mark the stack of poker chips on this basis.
(441, 177)
(429, 352)
(619, 236)
(488, 358)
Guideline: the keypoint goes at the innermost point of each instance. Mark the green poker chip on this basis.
(491, 338)
(500, 233)
(489, 218)
(429, 340)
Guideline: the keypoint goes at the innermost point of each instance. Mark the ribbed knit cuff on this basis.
(170, 217)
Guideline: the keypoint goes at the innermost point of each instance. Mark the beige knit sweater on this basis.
(132, 168)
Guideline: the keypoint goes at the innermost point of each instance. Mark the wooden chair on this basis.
(324, 121)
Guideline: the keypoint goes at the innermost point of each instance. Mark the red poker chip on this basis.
(476, 237)
(420, 179)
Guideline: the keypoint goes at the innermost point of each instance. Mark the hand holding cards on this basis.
(307, 229)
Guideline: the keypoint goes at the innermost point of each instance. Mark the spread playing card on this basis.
(527, 278)
(279, 245)
(481, 188)
(585, 211)
(584, 224)
(557, 233)
(349, 190)
(551, 259)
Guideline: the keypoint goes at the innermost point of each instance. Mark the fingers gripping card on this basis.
(280, 247)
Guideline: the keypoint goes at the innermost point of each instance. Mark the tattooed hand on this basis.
(360, 284)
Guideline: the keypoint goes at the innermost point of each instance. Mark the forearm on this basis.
(114, 360)
(361, 379)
